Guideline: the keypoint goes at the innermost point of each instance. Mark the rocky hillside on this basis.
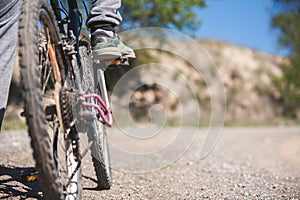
(248, 78)
(246, 75)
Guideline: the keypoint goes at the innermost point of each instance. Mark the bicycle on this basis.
(65, 95)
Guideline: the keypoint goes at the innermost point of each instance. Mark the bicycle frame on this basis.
(73, 31)
(74, 18)
(74, 27)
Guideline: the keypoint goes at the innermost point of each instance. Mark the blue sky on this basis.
(241, 22)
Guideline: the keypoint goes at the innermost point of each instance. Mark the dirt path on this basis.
(247, 163)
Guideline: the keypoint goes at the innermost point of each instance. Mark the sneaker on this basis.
(110, 48)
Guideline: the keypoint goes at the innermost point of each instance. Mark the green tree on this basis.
(177, 14)
(287, 22)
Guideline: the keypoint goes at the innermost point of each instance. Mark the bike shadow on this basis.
(12, 184)
(94, 181)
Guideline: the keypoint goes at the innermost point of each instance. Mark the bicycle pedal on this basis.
(120, 62)
(111, 63)
(30, 175)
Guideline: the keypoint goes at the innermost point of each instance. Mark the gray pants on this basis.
(9, 11)
(105, 11)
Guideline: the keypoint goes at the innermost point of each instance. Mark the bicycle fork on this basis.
(103, 107)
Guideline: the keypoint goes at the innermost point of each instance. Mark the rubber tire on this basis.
(34, 112)
(97, 134)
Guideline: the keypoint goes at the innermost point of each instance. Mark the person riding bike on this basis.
(103, 19)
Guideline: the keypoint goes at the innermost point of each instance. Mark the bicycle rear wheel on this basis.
(42, 75)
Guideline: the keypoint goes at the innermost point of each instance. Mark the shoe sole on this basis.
(109, 53)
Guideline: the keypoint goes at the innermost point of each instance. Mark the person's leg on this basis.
(106, 12)
(9, 12)
(103, 19)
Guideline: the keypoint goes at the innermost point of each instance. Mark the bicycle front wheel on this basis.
(56, 151)
(97, 132)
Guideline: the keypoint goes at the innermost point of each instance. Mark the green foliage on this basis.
(287, 22)
(161, 13)
(13, 125)
(289, 87)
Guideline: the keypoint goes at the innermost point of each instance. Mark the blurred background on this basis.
(255, 45)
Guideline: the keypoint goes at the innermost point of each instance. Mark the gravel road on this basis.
(247, 163)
